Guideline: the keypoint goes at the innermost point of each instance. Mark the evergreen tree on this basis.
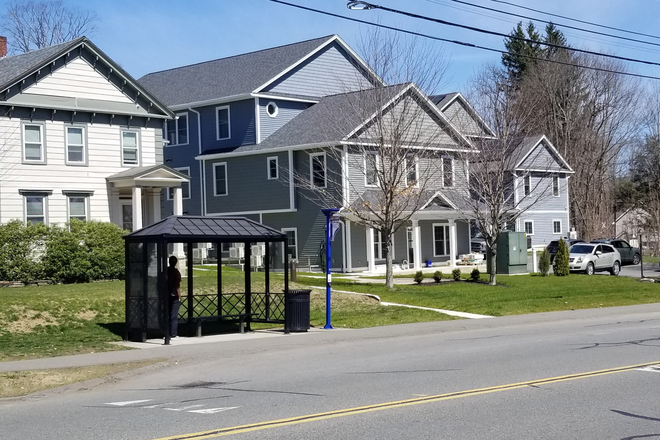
(544, 262)
(560, 266)
(520, 54)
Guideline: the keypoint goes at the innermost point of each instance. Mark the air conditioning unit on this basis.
(236, 252)
(238, 245)
(256, 261)
(258, 250)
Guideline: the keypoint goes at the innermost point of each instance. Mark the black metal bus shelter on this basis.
(147, 296)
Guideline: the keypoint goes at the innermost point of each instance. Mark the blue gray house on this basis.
(266, 134)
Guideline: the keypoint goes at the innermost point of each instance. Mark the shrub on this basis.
(456, 274)
(475, 275)
(437, 276)
(544, 263)
(560, 266)
(21, 251)
(419, 276)
(67, 259)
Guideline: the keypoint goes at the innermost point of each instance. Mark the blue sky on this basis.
(150, 35)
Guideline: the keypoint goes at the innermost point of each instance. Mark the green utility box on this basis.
(511, 253)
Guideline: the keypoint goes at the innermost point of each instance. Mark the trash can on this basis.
(429, 263)
(296, 313)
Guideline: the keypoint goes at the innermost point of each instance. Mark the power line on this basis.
(461, 43)
(499, 34)
(576, 20)
(547, 22)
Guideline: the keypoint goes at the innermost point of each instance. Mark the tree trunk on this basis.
(493, 268)
(389, 274)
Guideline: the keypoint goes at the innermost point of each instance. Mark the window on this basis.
(223, 122)
(273, 171)
(529, 227)
(220, 179)
(272, 109)
(35, 209)
(527, 182)
(78, 207)
(185, 186)
(129, 148)
(556, 226)
(440, 240)
(371, 169)
(33, 143)
(411, 171)
(127, 217)
(291, 242)
(379, 245)
(555, 186)
(75, 145)
(447, 171)
(317, 170)
(177, 130)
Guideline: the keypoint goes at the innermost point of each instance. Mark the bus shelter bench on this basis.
(241, 319)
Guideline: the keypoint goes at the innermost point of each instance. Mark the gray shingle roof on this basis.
(441, 100)
(225, 77)
(207, 229)
(15, 67)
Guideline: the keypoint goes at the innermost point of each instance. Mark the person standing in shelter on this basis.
(174, 287)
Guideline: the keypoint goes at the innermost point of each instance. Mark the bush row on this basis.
(78, 253)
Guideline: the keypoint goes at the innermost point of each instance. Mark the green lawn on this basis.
(82, 318)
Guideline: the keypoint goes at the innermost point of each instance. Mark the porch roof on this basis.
(154, 176)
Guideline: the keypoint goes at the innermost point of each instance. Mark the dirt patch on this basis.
(87, 315)
(28, 320)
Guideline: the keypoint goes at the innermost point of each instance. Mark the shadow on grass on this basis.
(116, 328)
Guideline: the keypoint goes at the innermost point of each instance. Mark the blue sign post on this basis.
(328, 277)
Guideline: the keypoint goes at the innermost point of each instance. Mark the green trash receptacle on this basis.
(296, 314)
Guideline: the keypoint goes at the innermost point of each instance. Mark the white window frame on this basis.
(170, 191)
(275, 112)
(367, 164)
(446, 239)
(277, 168)
(287, 246)
(176, 122)
(415, 160)
(42, 194)
(554, 231)
(379, 246)
(137, 148)
(311, 170)
(217, 122)
(527, 185)
(453, 176)
(556, 191)
(127, 203)
(67, 145)
(525, 223)
(85, 198)
(42, 134)
(215, 179)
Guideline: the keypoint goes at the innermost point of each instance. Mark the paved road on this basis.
(552, 375)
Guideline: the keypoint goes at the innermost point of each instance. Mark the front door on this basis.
(127, 216)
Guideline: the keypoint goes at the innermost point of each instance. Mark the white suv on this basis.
(594, 257)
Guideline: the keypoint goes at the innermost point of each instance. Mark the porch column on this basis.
(177, 202)
(349, 246)
(453, 243)
(417, 240)
(371, 258)
(155, 204)
(137, 208)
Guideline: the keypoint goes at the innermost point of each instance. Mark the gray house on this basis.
(267, 134)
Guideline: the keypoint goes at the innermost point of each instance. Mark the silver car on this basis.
(594, 257)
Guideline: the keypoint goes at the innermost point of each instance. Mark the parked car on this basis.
(629, 254)
(594, 257)
(478, 244)
(554, 245)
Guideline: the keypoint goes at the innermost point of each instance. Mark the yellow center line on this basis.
(221, 432)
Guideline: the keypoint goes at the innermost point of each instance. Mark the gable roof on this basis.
(444, 101)
(311, 128)
(154, 175)
(236, 75)
(529, 144)
(35, 65)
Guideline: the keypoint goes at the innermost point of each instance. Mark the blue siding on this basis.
(543, 222)
(327, 73)
(242, 125)
(287, 110)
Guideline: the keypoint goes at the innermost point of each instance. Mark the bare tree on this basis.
(37, 24)
(391, 139)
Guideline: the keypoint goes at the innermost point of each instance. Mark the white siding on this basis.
(104, 159)
(77, 80)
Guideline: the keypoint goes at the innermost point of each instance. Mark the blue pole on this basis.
(328, 277)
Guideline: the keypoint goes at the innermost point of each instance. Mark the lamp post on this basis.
(328, 276)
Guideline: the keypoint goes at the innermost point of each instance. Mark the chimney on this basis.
(3, 47)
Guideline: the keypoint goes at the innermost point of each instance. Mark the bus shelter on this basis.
(147, 252)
